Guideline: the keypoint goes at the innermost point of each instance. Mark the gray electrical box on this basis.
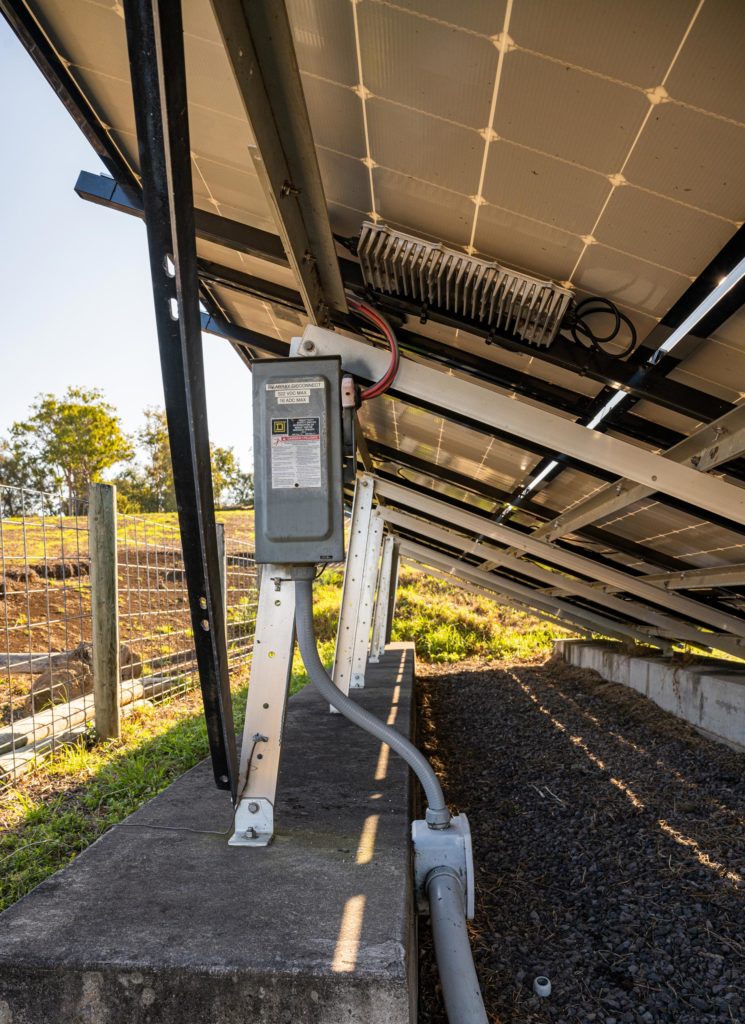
(298, 461)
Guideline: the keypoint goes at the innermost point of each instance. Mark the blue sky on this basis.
(77, 305)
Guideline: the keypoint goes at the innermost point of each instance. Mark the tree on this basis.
(72, 440)
(21, 481)
(242, 490)
(148, 487)
(225, 469)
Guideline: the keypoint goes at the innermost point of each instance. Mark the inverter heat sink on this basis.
(478, 290)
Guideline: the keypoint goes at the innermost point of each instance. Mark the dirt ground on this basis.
(609, 847)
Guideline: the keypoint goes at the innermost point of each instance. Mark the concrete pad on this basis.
(152, 925)
(709, 696)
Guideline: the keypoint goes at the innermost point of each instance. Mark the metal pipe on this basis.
(438, 816)
(460, 986)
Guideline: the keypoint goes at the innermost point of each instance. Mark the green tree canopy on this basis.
(148, 486)
(70, 441)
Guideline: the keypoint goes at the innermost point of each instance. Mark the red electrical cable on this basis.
(378, 320)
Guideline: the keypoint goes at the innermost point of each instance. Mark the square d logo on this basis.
(279, 426)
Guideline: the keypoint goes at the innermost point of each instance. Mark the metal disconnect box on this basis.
(298, 460)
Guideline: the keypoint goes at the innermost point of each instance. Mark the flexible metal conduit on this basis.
(437, 812)
(460, 986)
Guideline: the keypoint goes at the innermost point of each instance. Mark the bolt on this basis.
(308, 257)
(253, 807)
(205, 625)
(202, 602)
(250, 833)
(288, 189)
(309, 346)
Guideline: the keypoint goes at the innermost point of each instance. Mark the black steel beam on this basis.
(105, 191)
(252, 340)
(600, 367)
(725, 261)
(156, 54)
(644, 371)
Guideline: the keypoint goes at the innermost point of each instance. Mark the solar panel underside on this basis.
(599, 144)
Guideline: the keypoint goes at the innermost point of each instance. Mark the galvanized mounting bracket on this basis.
(443, 848)
(271, 667)
(254, 823)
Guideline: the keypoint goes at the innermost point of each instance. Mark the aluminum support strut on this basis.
(557, 581)
(701, 579)
(271, 668)
(393, 594)
(351, 595)
(711, 446)
(533, 425)
(367, 601)
(156, 54)
(575, 622)
(676, 603)
(383, 599)
(532, 598)
(258, 41)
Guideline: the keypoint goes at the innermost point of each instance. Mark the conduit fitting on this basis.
(437, 819)
(448, 849)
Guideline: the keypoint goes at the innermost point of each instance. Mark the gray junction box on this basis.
(299, 516)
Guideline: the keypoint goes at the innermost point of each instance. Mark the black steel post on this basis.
(156, 54)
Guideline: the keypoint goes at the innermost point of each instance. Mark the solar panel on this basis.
(596, 150)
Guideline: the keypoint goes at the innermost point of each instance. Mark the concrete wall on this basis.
(711, 698)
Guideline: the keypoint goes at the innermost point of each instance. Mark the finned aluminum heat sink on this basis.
(486, 292)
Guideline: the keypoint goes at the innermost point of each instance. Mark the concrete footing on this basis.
(709, 696)
(161, 922)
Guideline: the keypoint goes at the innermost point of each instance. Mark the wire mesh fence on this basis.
(46, 663)
(154, 620)
(46, 679)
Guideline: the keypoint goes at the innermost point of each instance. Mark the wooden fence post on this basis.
(105, 610)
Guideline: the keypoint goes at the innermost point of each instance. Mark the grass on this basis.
(83, 790)
(52, 537)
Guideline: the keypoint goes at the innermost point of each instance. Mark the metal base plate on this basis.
(254, 823)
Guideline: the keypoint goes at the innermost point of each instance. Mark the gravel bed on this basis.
(609, 844)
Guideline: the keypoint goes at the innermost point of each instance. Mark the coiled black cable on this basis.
(582, 332)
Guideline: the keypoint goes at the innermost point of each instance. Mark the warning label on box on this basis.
(294, 392)
(296, 452)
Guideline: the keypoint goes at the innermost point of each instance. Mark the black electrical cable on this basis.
(583, 333)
